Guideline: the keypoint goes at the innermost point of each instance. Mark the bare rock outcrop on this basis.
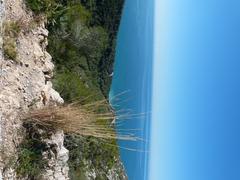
(57, 163)
(25, 84)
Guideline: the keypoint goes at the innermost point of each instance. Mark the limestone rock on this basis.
(26, 84)
(57, 164)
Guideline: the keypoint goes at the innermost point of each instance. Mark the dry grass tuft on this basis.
(10, 48)
(11, 30)
(85, 120)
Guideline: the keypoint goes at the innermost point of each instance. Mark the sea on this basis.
(131, 87)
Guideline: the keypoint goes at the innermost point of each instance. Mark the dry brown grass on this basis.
(84, 120)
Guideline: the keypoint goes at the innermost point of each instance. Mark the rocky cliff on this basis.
(26, 70)
(25, 82)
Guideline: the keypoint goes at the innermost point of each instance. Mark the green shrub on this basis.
(30, 162)
(9, 48)
(78, 13)
(52, 9)
(79, 53)
(39, 6)
(11, 32)
(71, 87)
(11, 28)
(96, 152)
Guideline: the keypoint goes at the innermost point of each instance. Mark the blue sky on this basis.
(196, 91)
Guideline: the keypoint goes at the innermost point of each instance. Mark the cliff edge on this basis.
(26, 71)
(25, 83)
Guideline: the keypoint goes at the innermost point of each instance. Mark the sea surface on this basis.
(180, 60)
(132, 84)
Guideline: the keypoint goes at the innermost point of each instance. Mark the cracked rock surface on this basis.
(25, 83)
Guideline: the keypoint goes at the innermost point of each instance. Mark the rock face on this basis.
(57, 163)
(25, 84)
(117, 172)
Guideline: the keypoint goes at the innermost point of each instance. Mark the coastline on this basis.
(132, 74)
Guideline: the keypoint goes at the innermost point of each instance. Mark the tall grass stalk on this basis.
(83, 120)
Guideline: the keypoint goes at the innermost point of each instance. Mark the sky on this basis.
(195, 124)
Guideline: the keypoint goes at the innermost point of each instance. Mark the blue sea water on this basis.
(186, 71)
(133, 80)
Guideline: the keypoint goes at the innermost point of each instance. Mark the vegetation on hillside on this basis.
(88, 136)
(82, 37)
(30, 162)
(82, 43)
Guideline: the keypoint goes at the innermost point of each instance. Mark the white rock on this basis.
(54, 96)
(22, 87)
